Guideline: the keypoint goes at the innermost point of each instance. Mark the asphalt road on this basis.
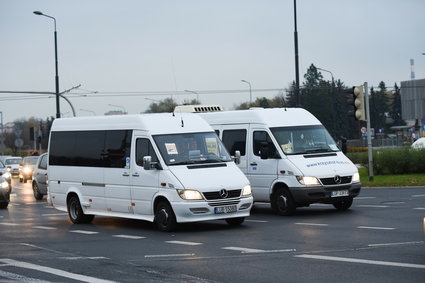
(380, 239)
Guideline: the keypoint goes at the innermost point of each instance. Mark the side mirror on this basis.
(147, 162)
(237, 157)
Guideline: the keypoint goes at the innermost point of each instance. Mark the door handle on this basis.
(136, 174)
(253, 164)
(125, 174)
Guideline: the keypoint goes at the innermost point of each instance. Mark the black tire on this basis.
(75, 212)
(283, 203)
(21, 180)
(344, 204)
(235, 221)
(3, 205)
(165, 218)
(37, 194)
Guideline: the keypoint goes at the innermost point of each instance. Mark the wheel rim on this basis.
(282, 202)
(163, 217)
(73, 210)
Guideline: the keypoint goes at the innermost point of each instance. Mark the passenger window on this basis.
(144, 148)
(235, 140)
(262, 141)
(117, 148)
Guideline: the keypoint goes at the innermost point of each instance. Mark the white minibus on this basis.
(162, 168)
(288, 156)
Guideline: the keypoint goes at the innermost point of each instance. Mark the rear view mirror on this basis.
(237, 157)
(147, 160)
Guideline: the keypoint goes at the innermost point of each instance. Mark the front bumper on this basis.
(194, 211)
(308, 195)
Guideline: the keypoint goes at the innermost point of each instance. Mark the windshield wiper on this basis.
(317, 150)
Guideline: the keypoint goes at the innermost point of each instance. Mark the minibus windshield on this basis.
(191, 148)
(304, 139)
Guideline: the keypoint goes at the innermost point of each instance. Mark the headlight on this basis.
(6, 175)
(4, 185)
(27, 170)
(246, 191)
(9, 169)
(356, 178)
(308, 181)
(190, 194)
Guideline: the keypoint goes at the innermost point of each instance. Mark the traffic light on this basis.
(358, 102)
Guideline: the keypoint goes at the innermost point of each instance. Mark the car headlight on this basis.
(4, 185)
(6, 175)
(27, 170)
(308, 180)
(355, 178)
(189, 194)
(9, 169)
(246, 191)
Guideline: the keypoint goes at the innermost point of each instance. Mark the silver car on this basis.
(4, 193)
(39, 177)
(4, 172)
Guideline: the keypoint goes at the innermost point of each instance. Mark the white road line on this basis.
(19, 278)
(419, 208)
(395, 244)
(84, 232)
(83, 257)
(370, 205)
(55, 214)
(184, 243)
(13, 195)
(311, 224)
(359, 198)
(169, 255)
(375, 228)
(258, 221)
(57, 272)
(364, 261)
(9, 224)
(417, 196)
(243, 250)
(44, 227)
(128, 237)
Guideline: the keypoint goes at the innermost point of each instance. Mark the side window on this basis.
(262, 141)
(235, 140)
(88, 148)
(62, 148)
(144, 148)
(117, 148)
(43, 162)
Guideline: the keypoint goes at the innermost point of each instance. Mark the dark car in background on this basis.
(4, 193)
(26, 168)
(39, 177)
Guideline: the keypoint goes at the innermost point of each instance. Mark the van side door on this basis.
(144, 183)
(234, 137)
(263, 163)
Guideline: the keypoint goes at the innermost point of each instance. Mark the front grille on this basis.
(216, 195)
(222, 203)
(331, 181)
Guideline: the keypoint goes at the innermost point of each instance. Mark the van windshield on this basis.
(191, 148)
(304, 139)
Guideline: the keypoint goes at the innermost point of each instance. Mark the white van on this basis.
(288, 156)
(163, 168)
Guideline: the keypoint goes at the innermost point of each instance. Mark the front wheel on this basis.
(37, 194)
(235, 221)
(343, 205)
(283, 203)
(75, 212)
(164, 217)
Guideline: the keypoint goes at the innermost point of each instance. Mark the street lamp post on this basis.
(250, 91)
(327, 72)
(58, 115)
(194, 92)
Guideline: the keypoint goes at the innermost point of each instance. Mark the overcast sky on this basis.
(209, 46)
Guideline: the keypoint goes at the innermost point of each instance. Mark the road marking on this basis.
(395, 244)
(375, 228)
(83, 257)
(57, 272)
(417, 196)
(184, 243)
(258, 221)
(419, 208)
(55, 214)
(374, 206)
(128, 237)
(44, 227)
(359, 198)
(19, 278)
(9, 224)
(13, 195)
(243, 250)
(311, 224)
(169, 255)
(364, 261)
(84, 232)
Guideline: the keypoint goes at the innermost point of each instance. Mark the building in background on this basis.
(413, 105)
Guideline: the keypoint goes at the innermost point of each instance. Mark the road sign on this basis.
(19, 143)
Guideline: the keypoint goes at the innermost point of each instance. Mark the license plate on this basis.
(343, 193)
(225, 209)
